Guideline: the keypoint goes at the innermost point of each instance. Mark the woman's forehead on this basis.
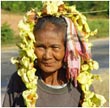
(49, 34)
(50, 30)
(50, 26)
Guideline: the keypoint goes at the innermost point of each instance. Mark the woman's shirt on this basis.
(66, 96)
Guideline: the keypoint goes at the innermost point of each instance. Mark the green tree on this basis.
(7, 33)
(87, 6)
(20, 6)
(82, 6)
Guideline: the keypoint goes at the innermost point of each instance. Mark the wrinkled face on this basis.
(49, 48)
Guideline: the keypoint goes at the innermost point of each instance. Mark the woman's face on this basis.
(49, 48)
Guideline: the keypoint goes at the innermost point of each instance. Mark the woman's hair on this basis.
(59, 22)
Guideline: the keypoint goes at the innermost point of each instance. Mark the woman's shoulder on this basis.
(15, 83)
(15, 76)
(13, 93)
(72, 87)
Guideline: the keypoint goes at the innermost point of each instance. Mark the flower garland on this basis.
(25, 61)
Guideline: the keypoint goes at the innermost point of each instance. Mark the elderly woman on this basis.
(60, 51)
(54, 88)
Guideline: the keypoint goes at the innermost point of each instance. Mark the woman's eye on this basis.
(56, 48)
(40, 47)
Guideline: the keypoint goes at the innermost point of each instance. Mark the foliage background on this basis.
(23, 6)
(13, 11)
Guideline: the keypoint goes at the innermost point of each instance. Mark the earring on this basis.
(64, 65)
(35, 63)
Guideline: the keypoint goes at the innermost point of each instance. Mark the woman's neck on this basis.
(54, 78)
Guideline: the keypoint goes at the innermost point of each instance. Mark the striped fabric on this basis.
(75, 50)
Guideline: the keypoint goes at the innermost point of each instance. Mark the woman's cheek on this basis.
(38, 53)
(59, 56)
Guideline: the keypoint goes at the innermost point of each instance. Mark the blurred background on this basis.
(97, 13)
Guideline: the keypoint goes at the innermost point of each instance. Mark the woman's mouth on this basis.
(48, 64)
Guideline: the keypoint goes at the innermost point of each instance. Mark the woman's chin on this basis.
(49, 69)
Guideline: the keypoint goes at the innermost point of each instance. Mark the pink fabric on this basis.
(74, 52)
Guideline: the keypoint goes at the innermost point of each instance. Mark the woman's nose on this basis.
(47, 54)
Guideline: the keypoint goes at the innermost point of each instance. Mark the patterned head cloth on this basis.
(75, 50)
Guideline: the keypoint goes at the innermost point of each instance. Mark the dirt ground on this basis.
(103, 87)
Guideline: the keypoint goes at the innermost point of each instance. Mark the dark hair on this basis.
(57, 21)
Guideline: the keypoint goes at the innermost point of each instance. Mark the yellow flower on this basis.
(85, 78)
(14, 60)
(84, 67)
(30, 97)
(95, 65)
